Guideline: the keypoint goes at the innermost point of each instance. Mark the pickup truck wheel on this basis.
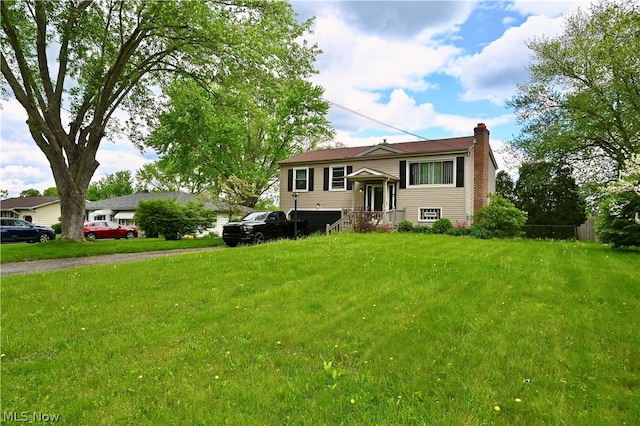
(258, 238)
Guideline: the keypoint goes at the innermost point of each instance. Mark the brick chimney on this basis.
(481, 158)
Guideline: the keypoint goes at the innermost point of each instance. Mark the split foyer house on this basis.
(416, 181)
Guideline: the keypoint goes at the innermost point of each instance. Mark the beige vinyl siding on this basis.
(335, 199)
(492, 178)
(45, 215)
(451, 200)
(468, 186)
(455, 202)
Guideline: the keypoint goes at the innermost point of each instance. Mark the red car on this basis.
(105, 229)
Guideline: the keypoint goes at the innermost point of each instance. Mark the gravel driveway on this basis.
(36, 266)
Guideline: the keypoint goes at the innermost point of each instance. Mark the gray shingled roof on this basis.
(396, 149)
(130, 202)
(28, 202)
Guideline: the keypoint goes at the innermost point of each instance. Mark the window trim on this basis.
(451, 160)
(306, 189)
(429, 220)
(344, 179)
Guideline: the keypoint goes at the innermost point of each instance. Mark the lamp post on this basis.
(295, 196)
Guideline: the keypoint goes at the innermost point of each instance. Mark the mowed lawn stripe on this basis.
(355, 329)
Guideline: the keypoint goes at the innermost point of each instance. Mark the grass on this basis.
(20, 252)
(347, 329)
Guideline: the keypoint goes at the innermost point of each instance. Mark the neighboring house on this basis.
(41, 210)
(416, 181)
(122, 209)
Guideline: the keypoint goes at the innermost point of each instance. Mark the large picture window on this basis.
(431, 173)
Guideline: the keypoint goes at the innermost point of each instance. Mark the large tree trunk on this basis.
(72, 180)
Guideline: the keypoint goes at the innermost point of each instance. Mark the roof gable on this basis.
(383, 149)
(368, 173)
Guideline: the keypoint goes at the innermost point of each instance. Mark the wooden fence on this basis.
(587, 231)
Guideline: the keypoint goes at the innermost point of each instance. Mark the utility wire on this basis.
(372, 119)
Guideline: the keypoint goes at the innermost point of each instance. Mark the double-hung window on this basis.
(301, 179)
(338, 180)
(431, 173)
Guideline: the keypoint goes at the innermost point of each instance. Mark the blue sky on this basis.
(432, 68)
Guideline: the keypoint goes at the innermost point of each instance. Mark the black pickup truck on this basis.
(258, 227)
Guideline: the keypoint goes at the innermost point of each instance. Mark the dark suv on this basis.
(21, 230)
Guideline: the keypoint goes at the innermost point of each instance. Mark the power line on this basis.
(373, 119)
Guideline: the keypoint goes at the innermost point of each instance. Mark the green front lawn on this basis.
(20, 252)
(347, 329)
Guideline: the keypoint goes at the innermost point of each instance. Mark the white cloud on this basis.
(550, 8)
(494, 73)
(358, 61)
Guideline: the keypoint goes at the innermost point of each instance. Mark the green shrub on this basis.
(171, 219)
(482, 234)
(422, 230)
(500, 217)
(442, 226)
(404, 226)
(458, 232)
(57, 227)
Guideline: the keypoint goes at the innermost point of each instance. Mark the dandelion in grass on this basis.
(353, 401)
(518, 400)
(497, 408)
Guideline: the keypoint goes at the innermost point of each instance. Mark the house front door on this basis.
(374, 197)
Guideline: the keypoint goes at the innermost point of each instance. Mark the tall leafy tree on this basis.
(239, 127)
(505, 186)
(31, 192)
(112, 185)
(50, 191)
(550, 196)
(73, 64)
(162, 175)
(581, 105)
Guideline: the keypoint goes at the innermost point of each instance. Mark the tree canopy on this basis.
(74, 64)
(582, 102)
(30, 192)
(112, 185)
(237, 128)
(549, 195)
